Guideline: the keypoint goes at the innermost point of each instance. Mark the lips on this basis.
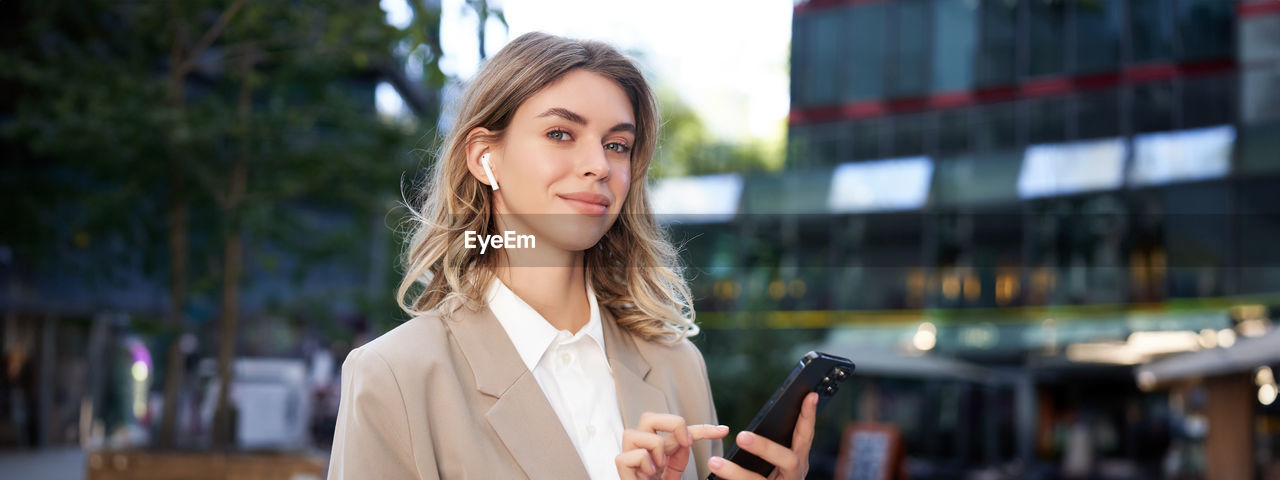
(587, 203)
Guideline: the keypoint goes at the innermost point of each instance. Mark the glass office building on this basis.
(1047, 199)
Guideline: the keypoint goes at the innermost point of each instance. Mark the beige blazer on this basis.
(446, 396)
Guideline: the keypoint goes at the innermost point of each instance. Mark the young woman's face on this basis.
(564, 164)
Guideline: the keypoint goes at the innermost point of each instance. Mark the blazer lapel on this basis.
(521, 416)
(630, 369)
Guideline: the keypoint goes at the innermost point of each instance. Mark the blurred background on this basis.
(1046, 231)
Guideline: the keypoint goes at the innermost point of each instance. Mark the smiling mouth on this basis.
(587, 207)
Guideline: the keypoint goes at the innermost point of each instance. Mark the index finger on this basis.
(802, 437)
(655, 422)
(704, 432)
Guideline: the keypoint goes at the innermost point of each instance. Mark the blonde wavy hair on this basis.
(633, 269)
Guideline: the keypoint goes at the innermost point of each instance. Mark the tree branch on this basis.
(209, 37)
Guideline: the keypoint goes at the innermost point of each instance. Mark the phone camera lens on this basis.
(826, 380)
(840, 374)
(830, 390)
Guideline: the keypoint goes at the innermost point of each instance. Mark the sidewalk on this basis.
(56, 462)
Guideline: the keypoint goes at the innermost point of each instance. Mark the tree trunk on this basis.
(180, 65)
(233, 261)
(177, 216)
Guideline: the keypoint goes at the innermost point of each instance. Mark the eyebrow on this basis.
(575, 118)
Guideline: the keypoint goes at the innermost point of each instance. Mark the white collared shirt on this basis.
(574, 374)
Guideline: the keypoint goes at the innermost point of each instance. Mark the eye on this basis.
(618, 147)
(559, 135)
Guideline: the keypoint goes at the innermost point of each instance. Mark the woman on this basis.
(550, 339)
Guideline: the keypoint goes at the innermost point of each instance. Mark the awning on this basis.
(1246, 355)
(887, 362)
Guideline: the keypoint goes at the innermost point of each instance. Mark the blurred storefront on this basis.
(1003, 211)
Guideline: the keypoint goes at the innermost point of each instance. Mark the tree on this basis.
(483, 13)
(233, 113)
(685, 147)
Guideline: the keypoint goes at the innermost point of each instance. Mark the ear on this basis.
(477, 147)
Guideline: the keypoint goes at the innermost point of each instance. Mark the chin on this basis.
(575, 236)
(568, 231)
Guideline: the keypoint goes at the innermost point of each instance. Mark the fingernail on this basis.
(744, 438)
(722, 428)
(652, 468)
(715, 463)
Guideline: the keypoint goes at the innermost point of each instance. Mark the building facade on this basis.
(1046, 195)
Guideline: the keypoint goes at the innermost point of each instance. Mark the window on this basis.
(1098, 114)
(1181, 155)
(827, 54)
(1153, 107)
(699, 199)
(1152, 29)
(1047, 120)
(865, 138)
(976, 178)
(826, 145)
(1257, 229)
(1206, 28)
(1196, 238)
(1260, 89)
(1208, 101)
(880, 185)
(909, 134)
(799, 152)
(865, 68)
(997, 50)
(1048, 40)
(953, 131)
(910, 61)
(1068, 168)
(1098, 30)
(801, 74)
(997, 128)
(953, 44)
(814, 146)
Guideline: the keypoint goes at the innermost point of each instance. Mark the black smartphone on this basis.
(817, 372)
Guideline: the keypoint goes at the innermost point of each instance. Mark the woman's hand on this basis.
(649, 454)
(792, 463)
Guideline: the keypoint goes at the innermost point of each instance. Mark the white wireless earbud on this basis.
(484, 162)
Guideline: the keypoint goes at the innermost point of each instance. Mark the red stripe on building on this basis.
(1033, 88)
(1096, 81)
(951, 99)
(863, 110)
(1150, 73)
(814, 5)
(908, 104)
(996, 94)
(1214, 66)
(1267, 7)
(813, 115)
(1046, 86)
(1258, 7)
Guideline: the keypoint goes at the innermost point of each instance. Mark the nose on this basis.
(595, 164)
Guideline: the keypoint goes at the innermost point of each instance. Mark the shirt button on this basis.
(591, 430)
(565, 358)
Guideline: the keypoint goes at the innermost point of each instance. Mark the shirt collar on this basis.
(532, 334)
